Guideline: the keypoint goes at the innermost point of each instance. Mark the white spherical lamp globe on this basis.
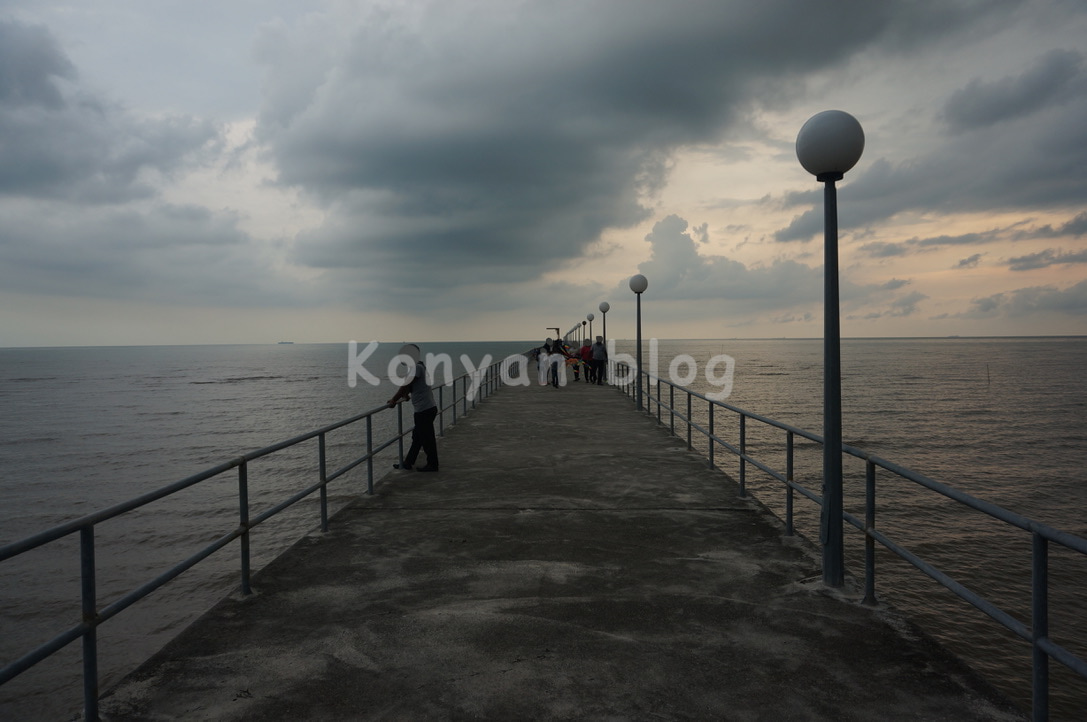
(590, 317)
(605, 307)
(639, 283)
(830, 143)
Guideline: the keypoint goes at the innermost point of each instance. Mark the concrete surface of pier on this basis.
(570, 561)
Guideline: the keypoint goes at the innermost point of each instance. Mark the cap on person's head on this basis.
(599, 338)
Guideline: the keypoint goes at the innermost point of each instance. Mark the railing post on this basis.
(243, 522)
(90, 614)
(370, 455)
(788, 487)
(690, 421)
(743, 454)
(441, 410)
(713, 443)
(324, 481)
(400, 433)
(1039, 627)
(672, 408)
(659, 400)
(870, 525)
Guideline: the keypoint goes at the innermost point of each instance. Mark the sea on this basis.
(82, 429)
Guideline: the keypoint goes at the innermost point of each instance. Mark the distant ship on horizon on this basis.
(285, 343)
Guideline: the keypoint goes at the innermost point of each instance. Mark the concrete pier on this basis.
(570, 561)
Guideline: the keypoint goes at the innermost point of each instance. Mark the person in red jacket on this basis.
(586, 354)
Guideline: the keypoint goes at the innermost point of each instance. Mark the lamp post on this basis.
(589, 318)
(827, 146)
(638, 284)
(583, 331)
(604, 308)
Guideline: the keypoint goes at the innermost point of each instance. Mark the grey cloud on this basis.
(60, 141)
(969, 262)
(1075, 228)
(32, 64)
(160, 254)
(880, 249)
(1046, 258)
(1028, 301)
(905, 305)
(1053, 79)
(676, 271)
(505, 144)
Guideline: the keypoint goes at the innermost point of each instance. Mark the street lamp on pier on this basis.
(589, 318)
(638, 284)
(604, 308)
(827, 146)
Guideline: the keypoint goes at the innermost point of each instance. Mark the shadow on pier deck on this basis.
(571, 561)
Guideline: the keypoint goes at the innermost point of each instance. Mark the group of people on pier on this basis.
(555, 355)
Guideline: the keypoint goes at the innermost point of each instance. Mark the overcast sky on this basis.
(216, 171)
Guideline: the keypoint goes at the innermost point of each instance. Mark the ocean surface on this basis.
(82, 429)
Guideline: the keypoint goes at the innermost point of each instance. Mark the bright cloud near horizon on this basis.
(218, 172)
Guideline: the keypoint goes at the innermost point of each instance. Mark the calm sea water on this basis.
(81, 429)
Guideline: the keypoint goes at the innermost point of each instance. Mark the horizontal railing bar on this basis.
(43, 652)
(1063, 538)
(290, 501)
(69, 527)
(963, 592)
(804, 491)
(1055, 535)
(738, 410)
(173, 572)
(1062, 655)
(366, 457)
(763, 467)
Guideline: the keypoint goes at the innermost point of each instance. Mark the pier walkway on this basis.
(570, 561)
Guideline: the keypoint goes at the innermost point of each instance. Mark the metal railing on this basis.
(485, 380)
(1036, 633)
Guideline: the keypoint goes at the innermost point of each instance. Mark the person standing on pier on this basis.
(586, 354)
(426, 410)
(600, 361)
(542, 364)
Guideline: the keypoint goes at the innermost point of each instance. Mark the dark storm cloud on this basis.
(1033, 155)
(32, 65)
(1054, 79)
(57, 140)
(503, 143)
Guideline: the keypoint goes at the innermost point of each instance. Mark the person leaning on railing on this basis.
(426, 410)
